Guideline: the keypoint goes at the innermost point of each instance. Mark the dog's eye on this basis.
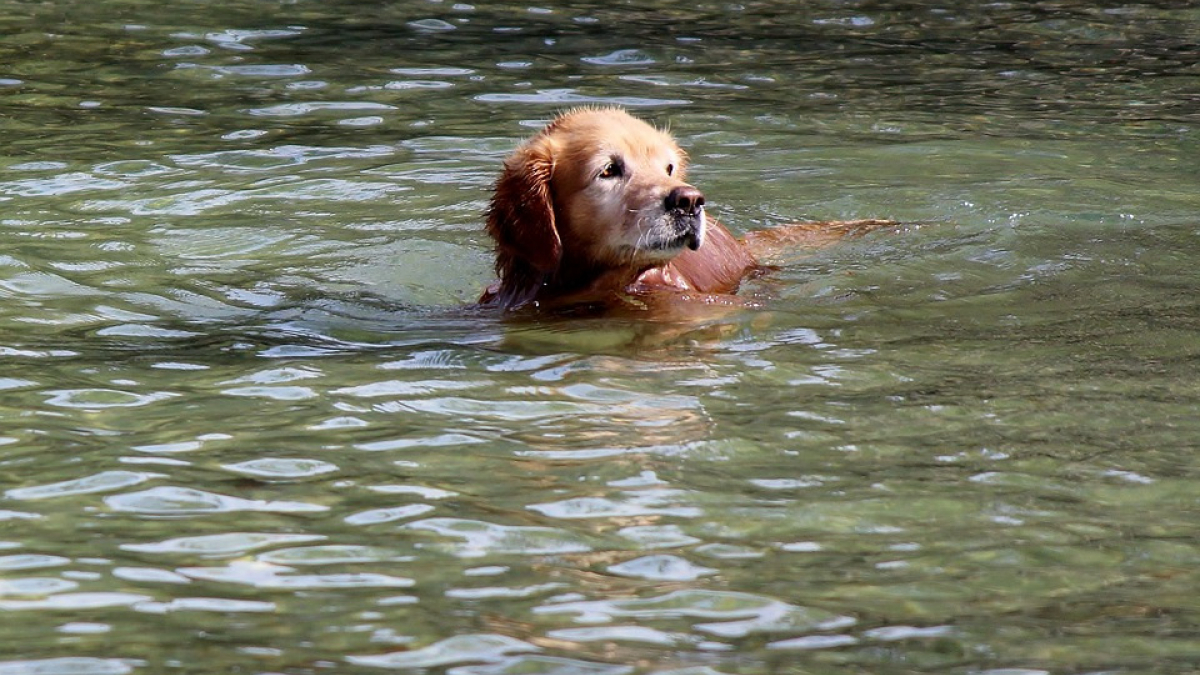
(670, 169)
(612, 170)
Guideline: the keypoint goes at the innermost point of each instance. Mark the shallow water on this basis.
(248, 422)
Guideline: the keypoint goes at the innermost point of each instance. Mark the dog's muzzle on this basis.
(685, 204)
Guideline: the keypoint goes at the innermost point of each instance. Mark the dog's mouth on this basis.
(685, 239)
(681, 231)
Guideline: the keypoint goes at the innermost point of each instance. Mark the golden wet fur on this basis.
(596, 207)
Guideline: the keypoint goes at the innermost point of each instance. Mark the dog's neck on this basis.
(718, 266)
(577, 281)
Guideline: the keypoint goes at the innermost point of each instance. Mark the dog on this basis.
(596, 209)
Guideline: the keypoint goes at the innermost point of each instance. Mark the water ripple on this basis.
(67, 665)
(62, 184)
(542, 665)
(332, 555)
(675, 81)
(638, 503)
(497, 592)
(661, 568)
(219, 605)
(236, 38)
(230, 544)
(280, 156)
(170, 500)
(431, 25)
(570, 97)
(439, 441)
(657, 536)
(403, 85)
(744, 613)
(264, 575)
(97, 399)
(643, 634)
(453, 650)
(76, 601)
(273, 393)
(35, 586)
(263, 70)
(104, 481)
(44, 284)
(402, 388)
(299, 109)
(894, 633)
(436, 71)
(622, 57)
(376, 516)
(810, 642)
(18, 515)
(280, 468)
(481, 538)
(133, 168)
(31, 561)
(149, 575)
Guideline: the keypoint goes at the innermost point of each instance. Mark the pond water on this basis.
(249, 422)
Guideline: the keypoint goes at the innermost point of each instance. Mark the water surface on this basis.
(249, 421)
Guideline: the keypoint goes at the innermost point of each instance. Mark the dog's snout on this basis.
(685, 199)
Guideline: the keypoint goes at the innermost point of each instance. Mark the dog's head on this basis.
(596, 189)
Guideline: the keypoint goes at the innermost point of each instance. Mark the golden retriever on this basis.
(596, 208)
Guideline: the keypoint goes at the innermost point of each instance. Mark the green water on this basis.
(249, 423)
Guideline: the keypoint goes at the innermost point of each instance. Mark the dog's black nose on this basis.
(686, 200)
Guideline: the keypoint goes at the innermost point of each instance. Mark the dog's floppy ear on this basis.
(521, 215)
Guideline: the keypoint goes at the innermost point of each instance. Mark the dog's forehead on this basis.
(609, 133)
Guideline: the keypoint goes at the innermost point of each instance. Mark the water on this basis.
(251, 424)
